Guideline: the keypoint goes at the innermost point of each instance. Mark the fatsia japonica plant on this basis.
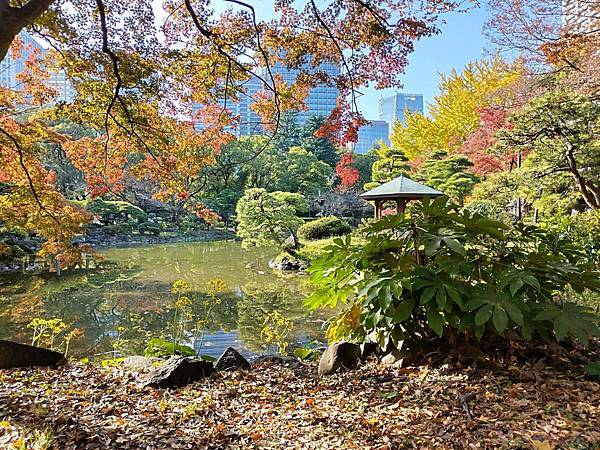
(443, 272)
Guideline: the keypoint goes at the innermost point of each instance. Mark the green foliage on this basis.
(267, 218)
(559, 131)
(115, 211)
(447, 272)
(119, 228)
(582, 228)
(322, 147)
(305, 353)
(149, 228)
(593, 369)
(323, 227)
(391, 164)
(449, 174)
(161, 348)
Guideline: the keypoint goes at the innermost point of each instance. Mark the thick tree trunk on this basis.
(13, 20)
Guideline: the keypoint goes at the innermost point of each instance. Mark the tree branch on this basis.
(14, 19)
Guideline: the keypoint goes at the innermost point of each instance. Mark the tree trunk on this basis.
(14, 19)
(590, 194)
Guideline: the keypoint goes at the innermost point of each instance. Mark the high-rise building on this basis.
(321, 100)
(581, 16)
(393, 109)
(370, 134)
(10, 67)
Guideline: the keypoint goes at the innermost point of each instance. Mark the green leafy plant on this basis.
(161, 348)
(453, 274)
(323, 227)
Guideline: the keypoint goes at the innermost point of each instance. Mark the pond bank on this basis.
(102, 241)
(270, 406)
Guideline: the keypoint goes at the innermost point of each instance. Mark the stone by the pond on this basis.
(13, 355)
(286, 361)
(231, 359)
(341, 355)
(178, 371)
(140, 362)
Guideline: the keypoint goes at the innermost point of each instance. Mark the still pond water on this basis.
(128, 300)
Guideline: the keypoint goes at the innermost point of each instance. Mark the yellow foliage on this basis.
(454, 114)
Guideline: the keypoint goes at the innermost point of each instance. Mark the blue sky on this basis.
(460, 42)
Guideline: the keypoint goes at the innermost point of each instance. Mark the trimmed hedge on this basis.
(323, 228)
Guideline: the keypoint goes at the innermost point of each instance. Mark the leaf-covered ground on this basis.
(82, 406)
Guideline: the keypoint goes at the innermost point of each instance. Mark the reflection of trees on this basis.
(136, 299)
(286, 298)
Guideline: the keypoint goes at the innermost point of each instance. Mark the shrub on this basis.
(119, 228)
(323, 228)
(149, 228)
(456, 275)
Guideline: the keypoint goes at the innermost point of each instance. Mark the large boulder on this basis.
(231, 359)
(341, 355)
(178, 371)
(13, 354)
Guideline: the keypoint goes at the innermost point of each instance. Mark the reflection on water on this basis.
(128, 301)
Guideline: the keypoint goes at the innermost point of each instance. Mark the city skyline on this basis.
(10, 68)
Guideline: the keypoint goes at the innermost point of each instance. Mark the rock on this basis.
(395, 358)
(13, 354)
(286, 361)
(231, 359)
(141, 362)
(178, 371)
(341, 355)
(286, 264)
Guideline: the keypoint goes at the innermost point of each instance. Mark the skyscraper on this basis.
(393, 109)
(370, 134)
(321, 99)
(10, 68)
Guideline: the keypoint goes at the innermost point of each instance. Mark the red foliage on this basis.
(348, 174)
(477, 145)
(342, 125)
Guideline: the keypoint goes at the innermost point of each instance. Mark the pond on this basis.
(117, 308)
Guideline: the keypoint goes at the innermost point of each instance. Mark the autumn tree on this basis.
(455, 112)
(551, 36)
(141, 71)
(346, 172)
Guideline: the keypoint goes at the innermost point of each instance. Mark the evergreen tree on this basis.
(391, 164)
(322, 147)
(449, 174)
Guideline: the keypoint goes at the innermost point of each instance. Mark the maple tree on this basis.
(475, 147)
(346, 171)
(138, 72)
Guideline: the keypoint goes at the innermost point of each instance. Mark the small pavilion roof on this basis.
(401, 187)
